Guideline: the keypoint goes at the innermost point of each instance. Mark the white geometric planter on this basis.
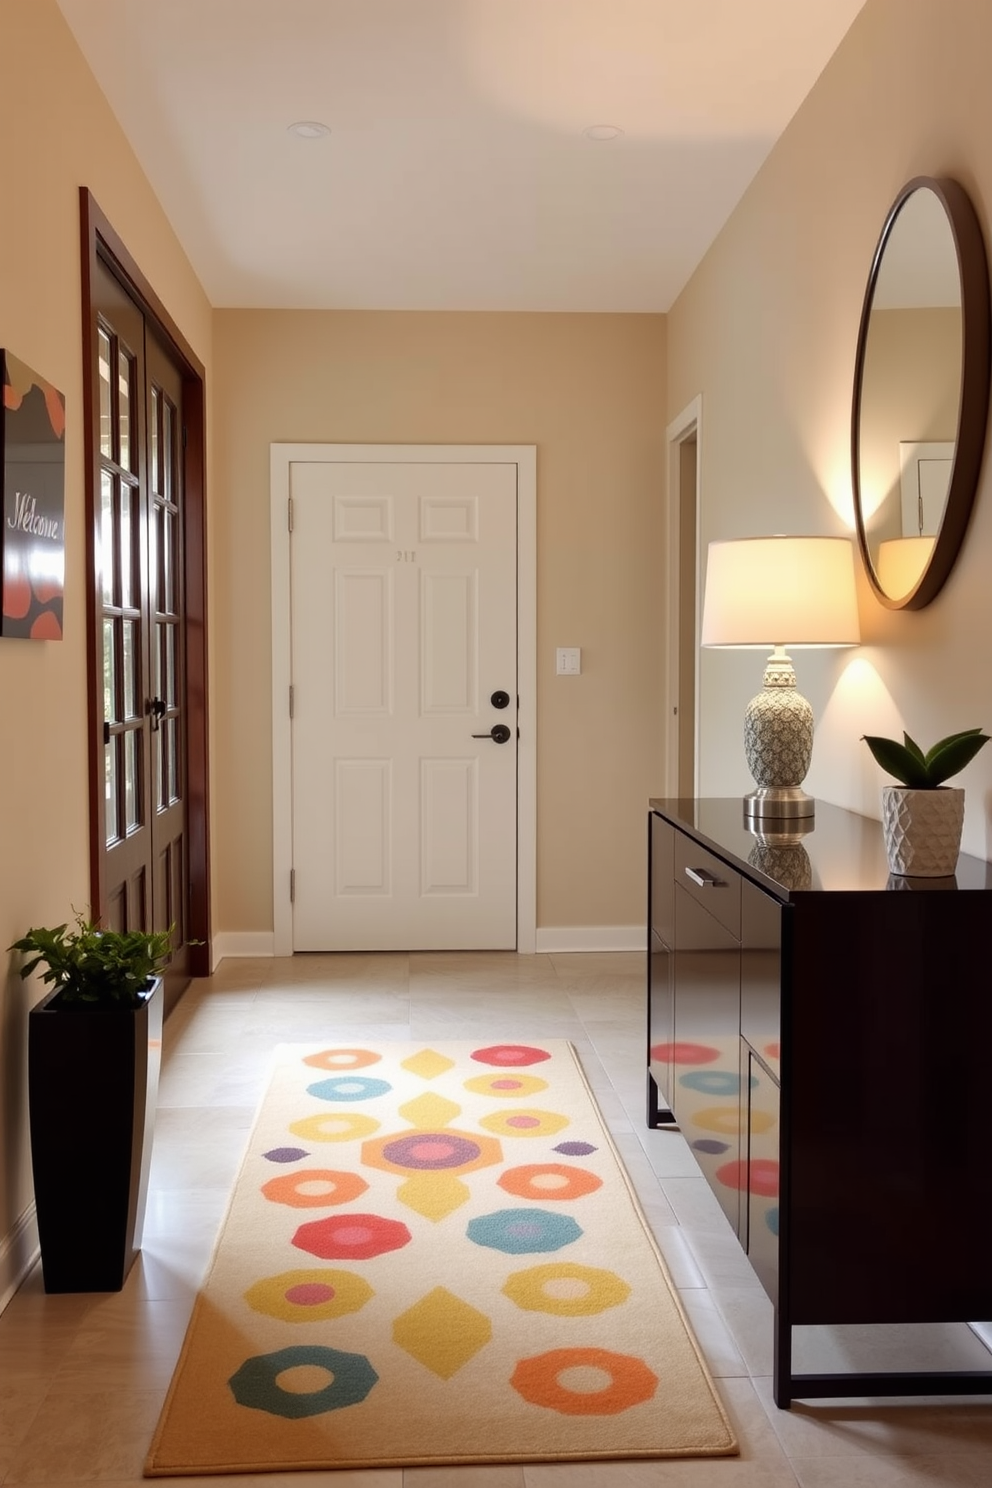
(922, 830)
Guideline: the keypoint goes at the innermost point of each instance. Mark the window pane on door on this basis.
(132, 815)
(129, 642)
(169, 667)
(109, 673)
(124, 379)
(127, 547)
(166, 602)
(106, 413)
(170, 770)
(154, 440)
(112, 809)
(107, 536)
(168, 441)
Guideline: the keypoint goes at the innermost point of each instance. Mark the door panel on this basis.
(403, 618)
(141, 626)
(167, 700)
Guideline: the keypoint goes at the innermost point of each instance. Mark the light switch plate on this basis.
(568, 661)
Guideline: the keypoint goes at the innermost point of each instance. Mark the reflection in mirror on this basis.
(921, 386)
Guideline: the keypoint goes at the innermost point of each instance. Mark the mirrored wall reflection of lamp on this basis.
(901, 563)
(779, 591)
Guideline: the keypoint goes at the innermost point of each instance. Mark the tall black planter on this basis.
(92, 1088)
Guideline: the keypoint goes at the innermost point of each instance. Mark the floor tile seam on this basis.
(34, 1416)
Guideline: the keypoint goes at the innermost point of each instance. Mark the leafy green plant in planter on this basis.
(922, 818)
(90, 965)
(919, 771)
(94, 1050)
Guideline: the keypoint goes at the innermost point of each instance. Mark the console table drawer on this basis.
(710, 882)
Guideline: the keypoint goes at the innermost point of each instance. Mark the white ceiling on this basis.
(456, 175)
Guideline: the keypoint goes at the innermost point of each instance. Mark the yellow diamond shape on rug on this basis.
(442, 1332)
(434, 1195)
(428, 1112)
(427, 1064)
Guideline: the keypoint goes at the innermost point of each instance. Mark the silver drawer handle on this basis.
(703, 878)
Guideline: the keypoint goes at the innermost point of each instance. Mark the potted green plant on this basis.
(94, 1050)
(922, 818)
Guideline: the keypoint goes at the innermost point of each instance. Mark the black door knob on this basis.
(499, 733)
(500, 699)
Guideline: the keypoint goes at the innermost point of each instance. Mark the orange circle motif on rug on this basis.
(342, 1059)
(314, 1188)
(549, 1181)
(539, 1380)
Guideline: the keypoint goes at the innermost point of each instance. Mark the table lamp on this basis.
(774, 592)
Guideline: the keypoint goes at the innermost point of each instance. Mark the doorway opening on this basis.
(684, 437)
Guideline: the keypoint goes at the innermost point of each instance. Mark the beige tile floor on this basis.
(82, 1377)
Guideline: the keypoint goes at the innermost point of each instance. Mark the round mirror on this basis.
(921, 389)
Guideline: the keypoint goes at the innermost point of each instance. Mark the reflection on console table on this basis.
(823, 1039)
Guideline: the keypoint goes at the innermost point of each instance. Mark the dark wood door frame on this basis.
(100, 241)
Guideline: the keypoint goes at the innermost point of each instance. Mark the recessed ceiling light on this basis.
(309, 129)
(602, 132)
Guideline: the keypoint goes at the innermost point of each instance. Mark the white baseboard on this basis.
(18, 1253)
(241, 943)
(550, 938)
(591, 938)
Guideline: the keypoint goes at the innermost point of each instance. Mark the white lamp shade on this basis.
(781, 591)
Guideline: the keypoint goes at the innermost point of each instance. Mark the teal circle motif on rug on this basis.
(714, 1082)
(256, 1383)
(348, 1088)
(523, 1231)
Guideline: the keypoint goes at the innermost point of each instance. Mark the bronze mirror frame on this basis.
(969, 443)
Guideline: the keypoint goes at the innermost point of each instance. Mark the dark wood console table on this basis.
(822, 1035)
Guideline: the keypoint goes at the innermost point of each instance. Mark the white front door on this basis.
(403, 648)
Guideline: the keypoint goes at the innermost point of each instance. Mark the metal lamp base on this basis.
(781, 802)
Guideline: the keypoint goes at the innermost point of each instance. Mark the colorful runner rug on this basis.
(433, 1255)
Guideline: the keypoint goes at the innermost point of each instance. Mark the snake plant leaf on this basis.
(942, 744)
(953, 753)
(898, 760)
(914, 749)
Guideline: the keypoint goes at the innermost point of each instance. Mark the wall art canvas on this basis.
(32, 541)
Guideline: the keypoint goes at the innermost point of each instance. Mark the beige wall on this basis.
(766, 333)
(59, 135)
(588, 391)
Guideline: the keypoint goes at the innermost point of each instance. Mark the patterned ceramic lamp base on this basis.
(778, 744)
